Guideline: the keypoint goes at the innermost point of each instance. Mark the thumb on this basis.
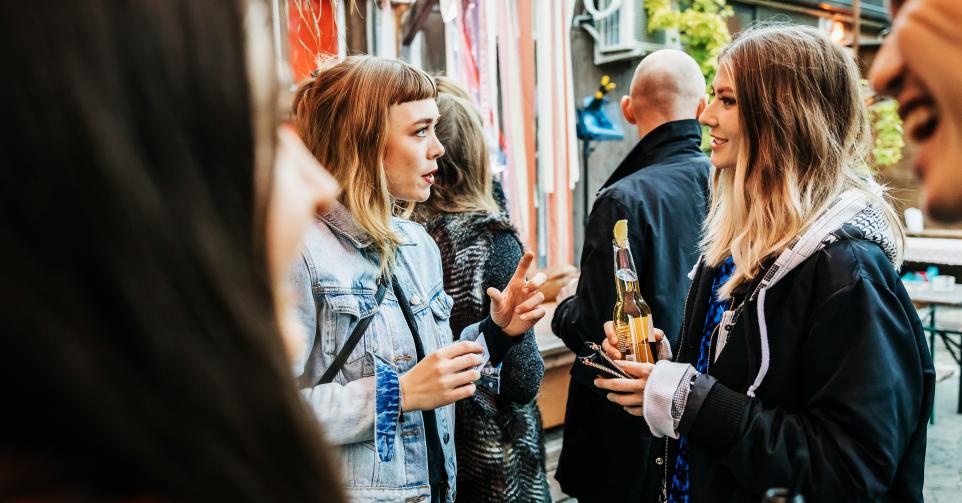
(495, 295)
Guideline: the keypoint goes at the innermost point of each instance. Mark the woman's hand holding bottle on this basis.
(629, 393)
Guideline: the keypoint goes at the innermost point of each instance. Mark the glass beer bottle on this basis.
(632, 316)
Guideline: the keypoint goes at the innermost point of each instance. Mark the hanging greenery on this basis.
(703, 31)
(887, 127)
(701, 26)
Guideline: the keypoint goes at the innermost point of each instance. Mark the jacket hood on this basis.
(851, 216)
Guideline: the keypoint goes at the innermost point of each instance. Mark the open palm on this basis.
(518, 307)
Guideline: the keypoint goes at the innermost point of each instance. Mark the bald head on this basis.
(667, 86)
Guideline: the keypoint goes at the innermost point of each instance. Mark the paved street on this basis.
(943, 460)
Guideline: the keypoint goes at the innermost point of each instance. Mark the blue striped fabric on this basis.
(678, 492)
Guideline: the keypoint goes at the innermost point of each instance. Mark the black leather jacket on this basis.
(661, 187)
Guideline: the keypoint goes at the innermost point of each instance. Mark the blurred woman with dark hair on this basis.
(149, 217)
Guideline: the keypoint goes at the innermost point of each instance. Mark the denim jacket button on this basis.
(447, 437)
(415, 300)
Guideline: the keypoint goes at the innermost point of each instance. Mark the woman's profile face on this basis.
(721, 117)
(301, 189)
(412, 150)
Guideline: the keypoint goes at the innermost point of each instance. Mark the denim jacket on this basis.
(383, 452)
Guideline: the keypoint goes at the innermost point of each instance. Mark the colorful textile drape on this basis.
(517, 65)
(514, 58)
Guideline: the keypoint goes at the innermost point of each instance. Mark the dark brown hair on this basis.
(141, 354)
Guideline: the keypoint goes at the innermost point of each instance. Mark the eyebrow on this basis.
(425, 121)
(723, 89)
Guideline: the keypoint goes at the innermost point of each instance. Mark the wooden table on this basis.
(951, 337)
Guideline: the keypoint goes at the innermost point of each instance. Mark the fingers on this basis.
(636, 411)
(610, 332)
(534, 301)
(495, 295)
(637, 370)
(627, 400)
(462, 378)
(465, 361)
(462, 392)
(610, 343)
(533, 315)
(659, 335)
(458, 349)
(535, 282)
(610, 350)
(621, 385)
(523, 266)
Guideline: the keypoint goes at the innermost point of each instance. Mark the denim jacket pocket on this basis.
(441, 304)
(339, 314)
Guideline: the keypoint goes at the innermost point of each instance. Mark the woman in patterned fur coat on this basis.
(500, 444)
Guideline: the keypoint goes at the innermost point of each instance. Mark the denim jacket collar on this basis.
(340, 220)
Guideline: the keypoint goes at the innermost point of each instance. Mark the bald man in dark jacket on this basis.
(661, 188)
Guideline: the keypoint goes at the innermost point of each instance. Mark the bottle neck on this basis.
(626, 279)
(623, 258)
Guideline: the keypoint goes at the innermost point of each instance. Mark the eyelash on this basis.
(725, 101)
(419, 132)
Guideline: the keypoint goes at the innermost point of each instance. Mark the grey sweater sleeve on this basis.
(522, 367)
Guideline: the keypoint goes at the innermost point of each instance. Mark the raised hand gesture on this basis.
(518, 307)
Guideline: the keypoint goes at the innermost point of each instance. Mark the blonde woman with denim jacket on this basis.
(370, 121)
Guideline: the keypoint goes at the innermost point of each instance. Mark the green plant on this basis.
(702, 30)
(701, 26)
(887, 128)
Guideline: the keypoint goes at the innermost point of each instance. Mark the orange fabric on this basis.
(311, 31)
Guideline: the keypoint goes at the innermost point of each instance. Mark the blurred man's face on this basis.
(920, 64)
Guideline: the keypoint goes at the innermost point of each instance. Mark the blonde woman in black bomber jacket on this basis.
(802, 360)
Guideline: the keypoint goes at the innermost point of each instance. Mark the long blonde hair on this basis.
(342, 115)
(463, 181)
(806, 139)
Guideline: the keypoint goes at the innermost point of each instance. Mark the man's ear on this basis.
(702, 105)
(626, 109)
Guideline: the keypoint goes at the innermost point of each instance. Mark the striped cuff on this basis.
(387, 407)
(681, 396)
(660, 394)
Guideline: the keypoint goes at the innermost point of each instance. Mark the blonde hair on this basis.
(463, 181)
(450, 86)
(805, 140)
(342, 115)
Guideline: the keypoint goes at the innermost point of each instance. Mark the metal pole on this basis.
(585, 152)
